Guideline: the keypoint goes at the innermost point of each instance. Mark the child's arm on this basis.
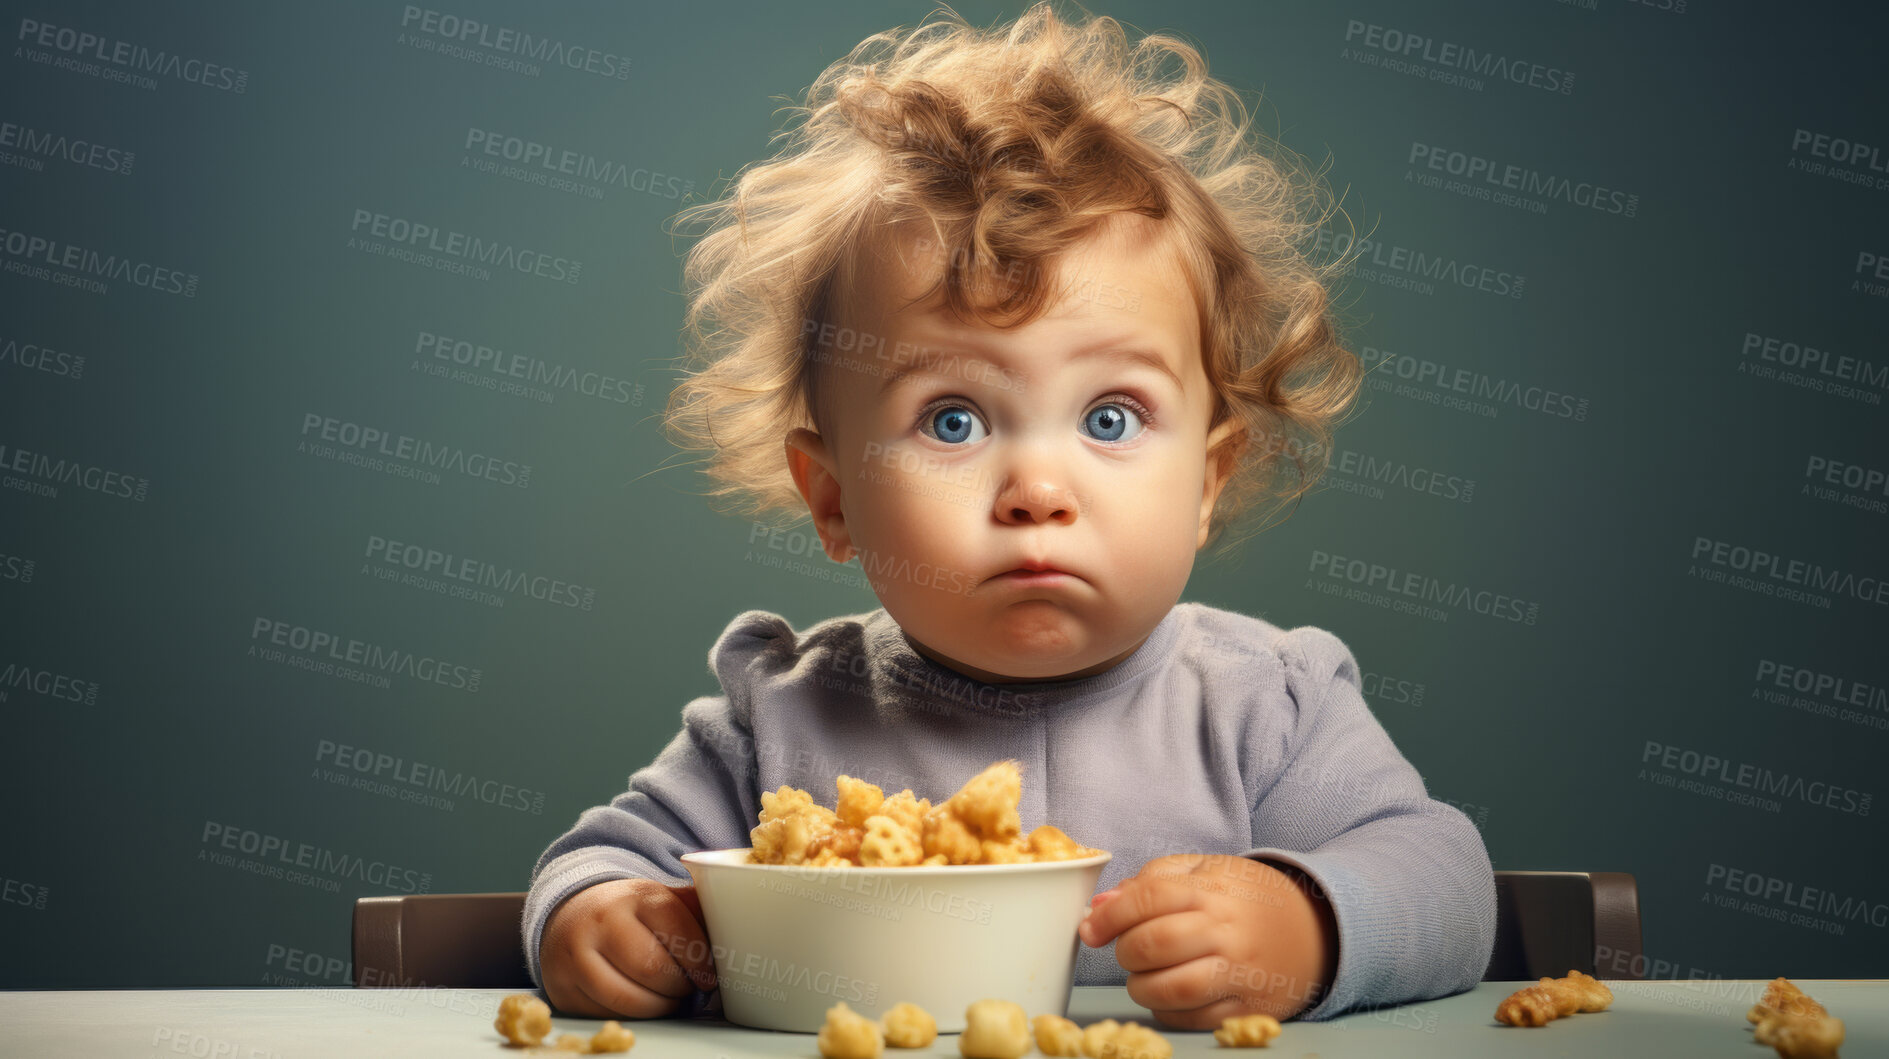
(694, 796)
(1392, 899)
(699, 793)
(1407, 877)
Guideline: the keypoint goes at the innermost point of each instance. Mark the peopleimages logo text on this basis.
(319, 643)
(124, 53)
(1424, 587)
(1760, 563)
(1747, 776)
(1422, 48)
(42, 250)
(422, 236)
(503, 39)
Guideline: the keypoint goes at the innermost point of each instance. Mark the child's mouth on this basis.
(1032, 577)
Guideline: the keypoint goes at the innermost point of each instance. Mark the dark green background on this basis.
(1537, 731)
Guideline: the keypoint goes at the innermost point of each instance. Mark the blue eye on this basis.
(1111, 422)
(954, 424)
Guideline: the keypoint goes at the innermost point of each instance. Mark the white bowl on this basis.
(790, 942)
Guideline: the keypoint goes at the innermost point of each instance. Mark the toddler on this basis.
(1022, 319)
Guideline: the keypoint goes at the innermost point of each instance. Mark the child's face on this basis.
(1005, 449)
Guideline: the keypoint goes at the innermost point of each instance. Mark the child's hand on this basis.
(625, 948)
(1208, 936)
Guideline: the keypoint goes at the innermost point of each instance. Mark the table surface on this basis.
(1663, 1019)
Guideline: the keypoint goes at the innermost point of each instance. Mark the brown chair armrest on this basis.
(1617, 951)
(1551, 922)
(469, 941)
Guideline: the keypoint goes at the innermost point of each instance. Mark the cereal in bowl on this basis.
(977, 825)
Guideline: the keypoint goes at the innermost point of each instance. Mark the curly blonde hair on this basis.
(1010, 145)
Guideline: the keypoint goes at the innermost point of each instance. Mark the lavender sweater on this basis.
(1222, 733)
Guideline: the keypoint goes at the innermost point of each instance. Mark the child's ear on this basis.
(1224, 444)
(812, 468)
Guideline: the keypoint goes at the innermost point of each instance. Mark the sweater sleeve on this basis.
(1408, 878)
(697, 794)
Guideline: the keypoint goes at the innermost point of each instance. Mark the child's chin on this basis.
(1024, 664)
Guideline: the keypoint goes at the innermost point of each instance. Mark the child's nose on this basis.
(1035, 500)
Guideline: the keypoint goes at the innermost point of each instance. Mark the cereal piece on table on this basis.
(1528, 1006)
(1782, 997)
(1135, 1041)
(1056, 1035)
(523, 1019)
(1794, 1024)
(888, 844)
(1246, 1031)
(1565, 995)
(1802, 1036)
(946, 836)
(571, 1042)
(612, 1037)
(857, 800)
(1553, 998)
(908, 1026)
(1594, 994)
(994, 1029)
(987, 803)
(1097, 1034)
(849, 1035)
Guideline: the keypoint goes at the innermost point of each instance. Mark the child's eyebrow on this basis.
(1109, 351)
